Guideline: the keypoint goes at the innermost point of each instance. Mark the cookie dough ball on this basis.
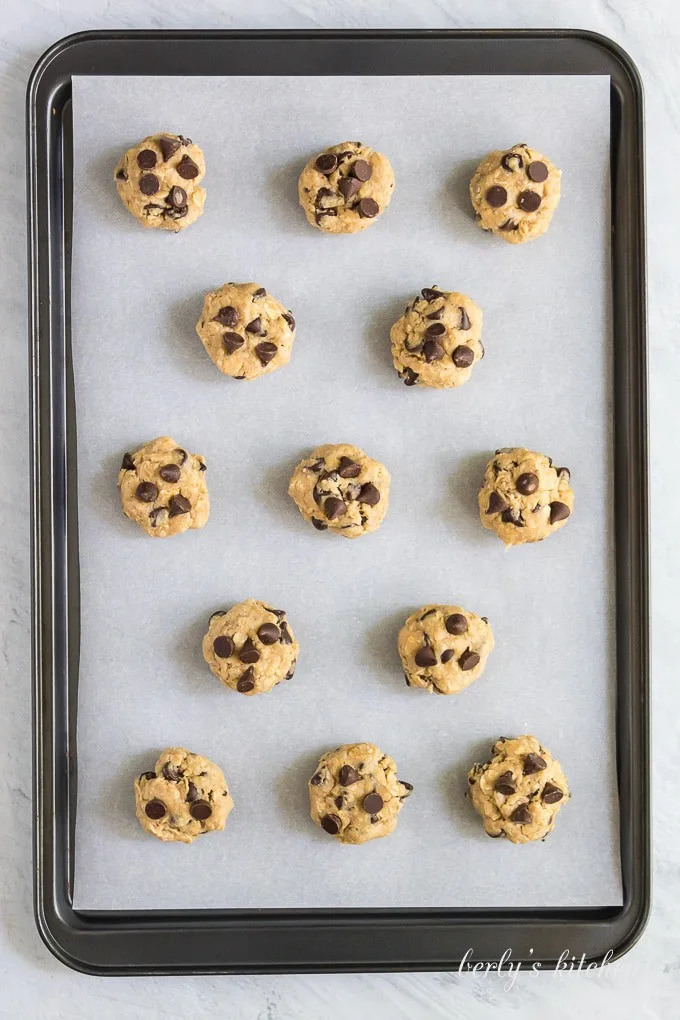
(438, 339)
(515, 193)
(355, 795)
(159, 181)
(524, 498)
(444, 648)
(346, 188)
(339, 488)
(519, 792)
(163, 488)
(185, 796)
(250, 647)
(245, 330)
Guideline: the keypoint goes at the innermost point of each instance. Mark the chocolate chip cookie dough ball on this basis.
(245, 330)
(163, 488)
(159, 181)
(339, 488)
(444, 648)
(346, 188)
(519, 791)
(515, 193)
(524, 498)
(438, 339)
(355, 795)
(185, 796)
(250, 647)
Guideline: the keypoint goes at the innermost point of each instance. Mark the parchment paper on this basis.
(545, 383)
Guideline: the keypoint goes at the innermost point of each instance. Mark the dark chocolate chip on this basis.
(527, 483)
(128, 463)
(178, 505)
(368, 208)
(447, 655)
(155, 514)
(260, 292)
(173, 773)
(266, 351)
(436, 314)
(255, 326)
(432, 351)
(512, 157)
(149, 184)
(182, 454)
(410, 377)
(348, 468)
(362, 170)
(121, 175)
(249, 652)
(496, 196)
(534, 763)
(521, 814)
(246, 681)
(269, 633)
(148, 775)
(537, 171)
(348, 187)
(227, 316)
(286, 637)
(369, 494)
(563, 470)
(200, 810)
(155, 809)
(558, 512)
(428, 613)
(170, 472)
(551, 794)
(407, 786)
(340, 801)
(373, 803)
(289, 319)
(331, 824)
(319, 525)
(456, 623)
(463, 356)
(168, 147)
(187, 169)
(511, 516)
(223, 646)
(316, 779)
(192, 793)
(468, 660)
(529, 201)
(505, 784)
(326, 163)
(464, 320)
(436, 329)
(431, 293)
(177, 197)
(146, 159)
(232, 342)
(496, 503)
(146, 492)
(334, 508)
(509, 225)
(426, 656)
(347, 776)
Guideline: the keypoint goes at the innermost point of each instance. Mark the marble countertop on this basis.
(646, 983)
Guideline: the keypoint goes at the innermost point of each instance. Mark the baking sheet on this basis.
(141, 371)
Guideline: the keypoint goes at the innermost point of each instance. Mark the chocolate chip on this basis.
(436, 314)
(496, 196)
(463, 356)
(246, 681)
(269, 633)
(413, 348)
(155, 514)
(373, 803)
(227, 316)
(146, 492)
(456, 623)
(168, 147)
(426, 656)
(529, 201)
(369, 494)
(558, 512)
(534, 763)
(260, 292)
(146, 159)
(249, 652)
(537, 171)
(334, 508)
(509, 225)
(348, 468)
(128, 463)
(187, 169)
(121, 175)
(148, 775)
(347, 776)
(348, 187)
(505, 784)
(527, 483)
(178, 505)
(521, 814)
(155, 809)
(368, 208)
(316, 779)
(182, 454)
(319, 525)
(200, 810)
(431, 293)
(464, 319)
(149, 184)
(232, 342)
(563, 471)
(551, 794)
(285, 633)
(192, 793)
(496, 503)
(432, 351)
(340, 801)
(170, 472)
(326, 163)
(255, 326)
(266, 351)
(436, 329)
(177, 197)
(447, 655)
(468, 660)
(410, 377)
(173, 773)
(331, 824)
(511, 516)
(512, 157)
(176, 214)
(289, 319)
(407, 786)
(223, 646)
(362, 170)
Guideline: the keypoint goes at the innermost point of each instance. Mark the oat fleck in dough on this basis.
(519, 792)
(185, 796)
(251, 647)
(245, 330)
(339, 488)
(438, 339)
(524, 498)
(159, 181)
(444, 648)
(163, 488)
(346, 188)
(515, 193)
(355, 795)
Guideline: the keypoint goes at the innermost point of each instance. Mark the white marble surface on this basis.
(646, 983)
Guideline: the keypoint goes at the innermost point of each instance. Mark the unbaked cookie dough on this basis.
(524, 498)
(444, 648)
(355, 795)
(515, 193)
(346, 188)
(339, 488)
(519, 792)
(185, 796)
(159, 181)
(250, 647)
(438, 339)
(163, 488)
(245, 330)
